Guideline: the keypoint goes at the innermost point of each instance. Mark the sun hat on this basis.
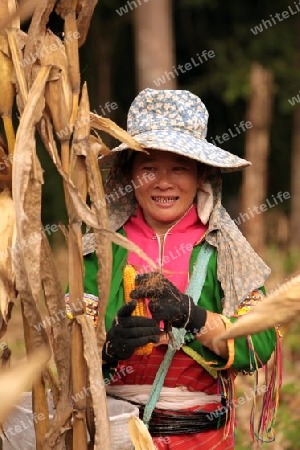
(176, 121)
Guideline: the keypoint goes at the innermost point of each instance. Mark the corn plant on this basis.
(50, 98)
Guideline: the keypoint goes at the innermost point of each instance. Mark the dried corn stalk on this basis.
(58, 80)
(67, 9)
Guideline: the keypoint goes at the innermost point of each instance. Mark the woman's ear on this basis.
(205, 201)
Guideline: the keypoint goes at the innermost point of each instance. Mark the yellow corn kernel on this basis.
(129, 274)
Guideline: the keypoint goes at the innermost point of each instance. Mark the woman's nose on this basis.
(163, 179)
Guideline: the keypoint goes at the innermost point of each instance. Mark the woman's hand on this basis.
(128, 333)
(168, 304)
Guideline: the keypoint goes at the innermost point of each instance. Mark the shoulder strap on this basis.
(194, 289)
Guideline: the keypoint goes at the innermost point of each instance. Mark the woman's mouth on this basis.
(165, 200)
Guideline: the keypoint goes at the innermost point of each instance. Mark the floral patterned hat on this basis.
(176, 121)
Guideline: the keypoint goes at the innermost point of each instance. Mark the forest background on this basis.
(243, 60)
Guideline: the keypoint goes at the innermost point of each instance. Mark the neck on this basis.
(161, 228)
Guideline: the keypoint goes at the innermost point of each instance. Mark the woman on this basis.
(168, 202)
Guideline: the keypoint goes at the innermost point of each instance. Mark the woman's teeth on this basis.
(164, 199)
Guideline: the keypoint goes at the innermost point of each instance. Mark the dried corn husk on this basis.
(12, 9)
(281, 306)
(7, 231)
(5, 167)
(110, 127)
(84, 9)
(61, 345)
(23, 12)
(16, 41)
(36, 33)
(7, 90)
(96, 382)
(58, 92)
(14, 381)
(139, 434)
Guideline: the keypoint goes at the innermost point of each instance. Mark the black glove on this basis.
(128, 333)
(167, 303)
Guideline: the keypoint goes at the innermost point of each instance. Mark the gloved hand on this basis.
(167, 303)
(127, 333)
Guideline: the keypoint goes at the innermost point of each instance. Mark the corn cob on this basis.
(129, 274)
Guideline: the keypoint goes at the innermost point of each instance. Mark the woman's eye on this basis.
(179, 169)
(148, 169)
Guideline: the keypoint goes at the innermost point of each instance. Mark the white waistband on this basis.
(172, 398)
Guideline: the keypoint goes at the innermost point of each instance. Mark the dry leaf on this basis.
(96, 383)
(55, 303)
(110, 127)
(14, 381)
(139, 434)
(58, 92)
(36, 33)
(27, 180)
(84, 213)
(85, 9)
(7, 229)
(277, 308)
(15, 49)
(103, 246)
(24, 11)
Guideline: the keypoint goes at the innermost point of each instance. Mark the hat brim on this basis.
(188, 146)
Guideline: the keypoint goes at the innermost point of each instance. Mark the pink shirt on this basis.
(172, 255)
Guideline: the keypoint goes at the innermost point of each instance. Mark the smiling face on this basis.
(167, 185)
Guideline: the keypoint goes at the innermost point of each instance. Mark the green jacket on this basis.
(264, 343)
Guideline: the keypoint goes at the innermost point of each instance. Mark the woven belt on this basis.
(166, 423)
(176, 422)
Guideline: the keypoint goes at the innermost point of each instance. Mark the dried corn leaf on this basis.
(84, 213)
(4, 9)
(64, 7)
(15, 380)
(110, 127)
(103, 246)
(85, 10)
(7, 226)
(82, 126)
(70, 29)
(97, 386)
(27, 185)
(34, 336)
(24, 11)
(12, 10)
(98, 145)
(36, 33)
(61, 342)
(58, 92)
(139, 434)
(15, 48)
(277, 308)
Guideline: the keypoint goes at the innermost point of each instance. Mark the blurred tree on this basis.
(241, 35)
(254, 187)
(154, 45)
(295, 159)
